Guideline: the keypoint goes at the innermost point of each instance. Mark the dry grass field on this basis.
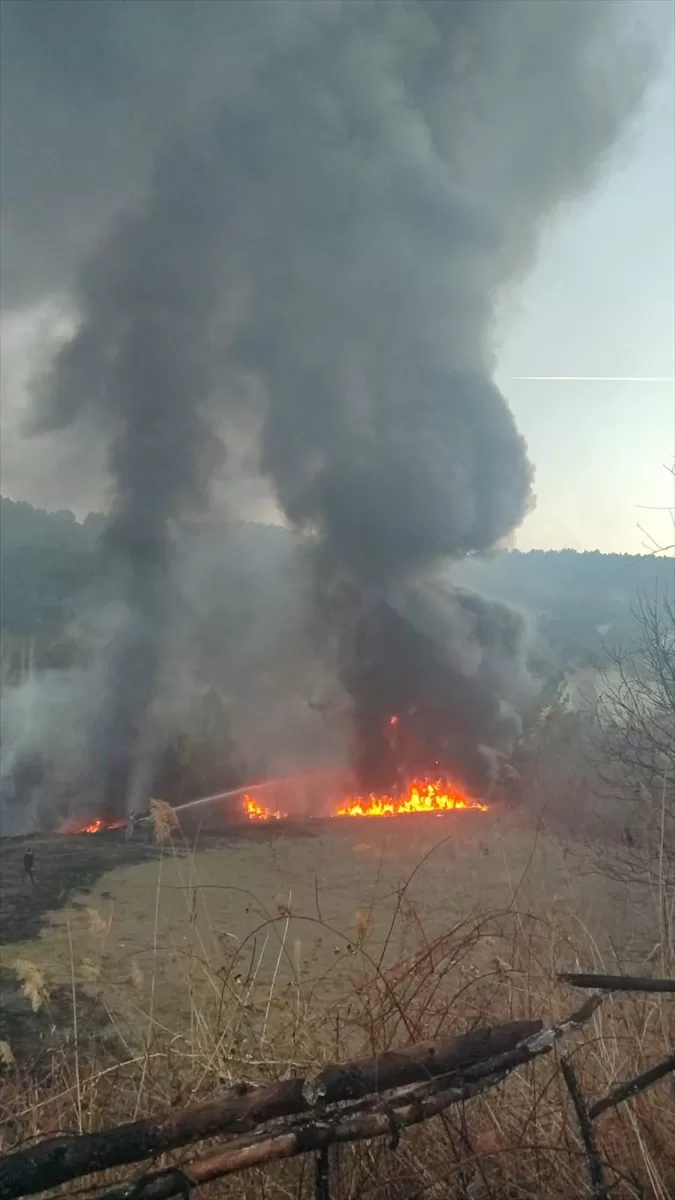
(136, 977)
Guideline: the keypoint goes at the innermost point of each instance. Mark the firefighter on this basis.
(28, 865)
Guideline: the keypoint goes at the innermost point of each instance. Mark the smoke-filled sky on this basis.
(91, 93)
(284, 245)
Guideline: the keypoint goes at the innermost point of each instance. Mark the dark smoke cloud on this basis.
(141, 356)
(328, 198)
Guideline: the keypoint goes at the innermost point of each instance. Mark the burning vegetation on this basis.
(422, 796)
(259, 812)
(95, 825)
(406, 787)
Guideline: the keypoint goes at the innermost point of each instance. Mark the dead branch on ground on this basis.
(632, 1087)
(618, 983)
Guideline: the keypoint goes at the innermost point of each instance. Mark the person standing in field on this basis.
(28, 865)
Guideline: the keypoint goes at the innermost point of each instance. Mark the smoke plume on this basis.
(326, 201)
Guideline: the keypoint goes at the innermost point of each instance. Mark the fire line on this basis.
(423, 796)
(96, 826)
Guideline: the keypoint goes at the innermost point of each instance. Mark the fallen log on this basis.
(311, 1136)
(59, 1159)
(618, 983)
(397, 1068)
(245, 1107)
(409, 1108)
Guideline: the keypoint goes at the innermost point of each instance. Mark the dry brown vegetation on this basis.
(253, 959)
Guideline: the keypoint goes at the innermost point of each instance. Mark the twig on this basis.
(282, 947)
(76, 1039)
(595, 1170)
(153, 982)
(322, 1175)
(624, 1091)
(316, 900)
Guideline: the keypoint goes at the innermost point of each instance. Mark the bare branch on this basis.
(618, 983)
(633, 1087)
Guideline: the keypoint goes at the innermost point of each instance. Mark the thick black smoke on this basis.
(141, 355)
(332, 196)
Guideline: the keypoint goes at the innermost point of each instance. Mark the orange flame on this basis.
(422, 797)
(94, 827)
(258, 812)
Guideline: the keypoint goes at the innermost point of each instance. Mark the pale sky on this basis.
(600, 302)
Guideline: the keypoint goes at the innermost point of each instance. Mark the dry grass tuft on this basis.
(33, 984)
(361, 927)
(89, 971)
(164, 819)
(97, 926)
(136, 975)
(6, 1054)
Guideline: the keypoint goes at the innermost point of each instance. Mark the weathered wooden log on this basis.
(397, 1068)
(60, 1159)
(310, 1136)
(241, 1109)
(618, 983)
(632, 1087)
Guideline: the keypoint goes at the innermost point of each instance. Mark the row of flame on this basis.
(428, 797)
(425, 797)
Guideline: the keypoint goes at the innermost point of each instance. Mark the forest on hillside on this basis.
(53, 570)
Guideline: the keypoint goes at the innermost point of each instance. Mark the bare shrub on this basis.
(634, 757)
